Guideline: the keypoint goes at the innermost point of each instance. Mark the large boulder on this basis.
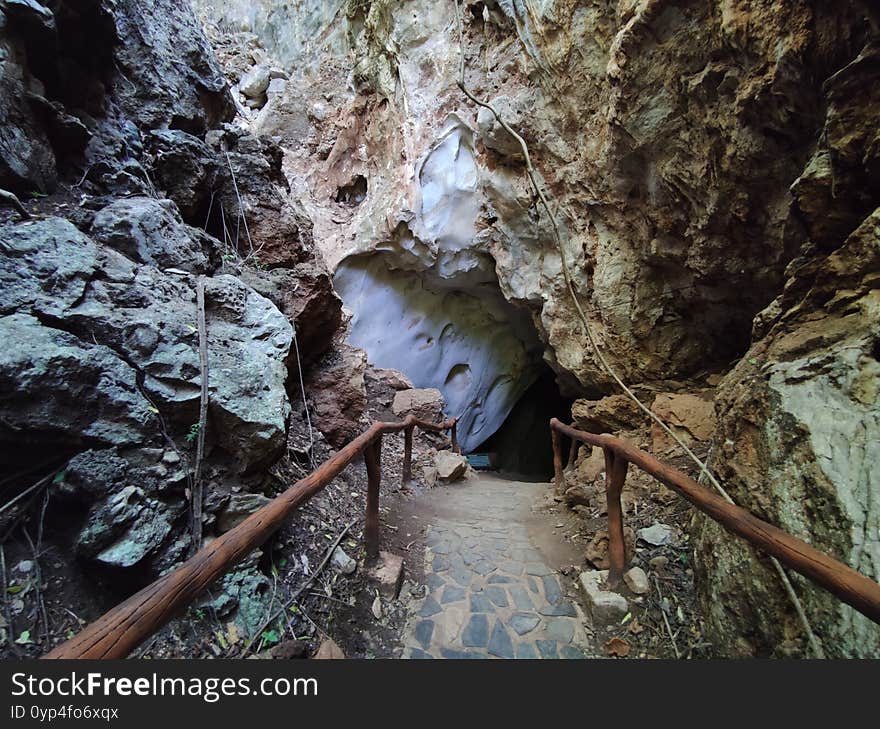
(426, 404)
(150, 231)
(248, 344)
(336, 388)
(185, 169)
(305, 295)
(160, 90)
(149, 319)
(69, 390)
(136, 505)
(608, 415)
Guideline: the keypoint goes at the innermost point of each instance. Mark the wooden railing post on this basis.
(455, 446)
(407, 455)
(572, 453)
(373, 462)
(557, 460)
(615, 475)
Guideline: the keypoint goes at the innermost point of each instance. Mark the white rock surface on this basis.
(637, 581)
(255, 82)
(342, 562)
(656, 535)
(604, 606)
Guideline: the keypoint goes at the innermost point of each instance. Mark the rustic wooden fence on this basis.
(116, 633)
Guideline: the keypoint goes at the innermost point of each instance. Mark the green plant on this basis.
(193, 433)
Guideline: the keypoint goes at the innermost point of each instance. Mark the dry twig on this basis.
(299, 590)
(203, 416)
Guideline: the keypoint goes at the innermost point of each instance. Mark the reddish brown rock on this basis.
(335, 387)
(690, 417)
(608, 415)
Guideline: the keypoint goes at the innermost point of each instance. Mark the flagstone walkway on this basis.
(491, 591)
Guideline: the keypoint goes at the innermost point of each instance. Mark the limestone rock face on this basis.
(800, 415)
(674, 246)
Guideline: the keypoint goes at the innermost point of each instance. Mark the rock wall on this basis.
(113, 130)
(800, 413)
(703, 158)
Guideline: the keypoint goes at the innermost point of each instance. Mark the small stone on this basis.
(659, 562)
(547, 649)
(377, 607)
(499, 643)
(523, 623)
(637, 581)
(290, 649)
(484, 568)
(418, 654)
(538, 570)
(521, 598)
(255, 82)
(605, 607)
(569, 652)
(171, 458)
(460, 655)
(342, 562)
(563, 609)
(526, 651)
(25, 566)
(450, 466)
(499, 580)
(388, 573)
(656, 535)
(476, 632)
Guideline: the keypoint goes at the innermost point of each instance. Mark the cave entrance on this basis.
(521, 447)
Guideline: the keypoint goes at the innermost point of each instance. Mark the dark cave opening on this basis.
(522, 446)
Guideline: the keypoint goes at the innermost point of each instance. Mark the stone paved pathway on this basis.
(491, 592)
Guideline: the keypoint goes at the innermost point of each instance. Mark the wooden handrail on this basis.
(116, 633)
(850, 586)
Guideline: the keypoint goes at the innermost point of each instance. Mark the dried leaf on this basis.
(617, 647)
(635, 627)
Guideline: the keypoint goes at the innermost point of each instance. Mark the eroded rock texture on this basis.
(702, 157)
(118, 111)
